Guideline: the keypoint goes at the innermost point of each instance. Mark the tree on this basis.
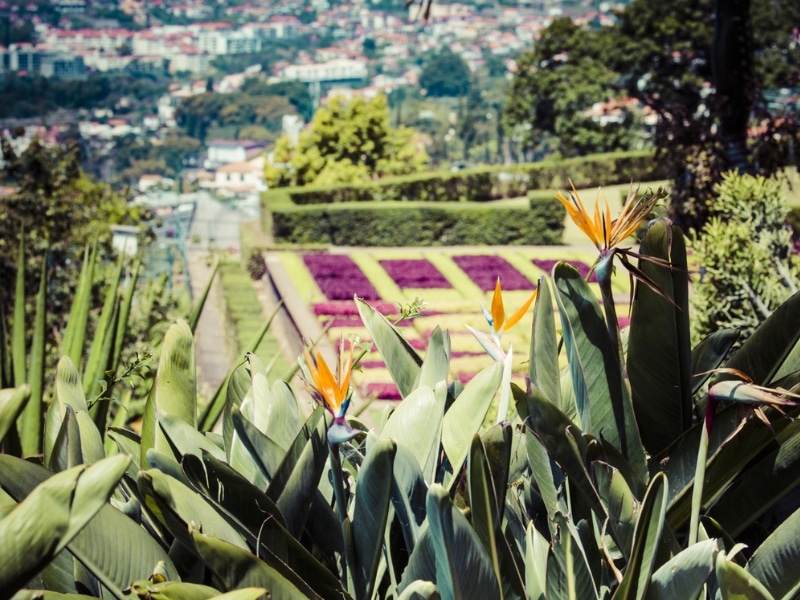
(556, 84)
(347, 141)
(59, 210)
(445, 74)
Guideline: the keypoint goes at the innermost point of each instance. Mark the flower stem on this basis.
(341, 504)
(700, 472)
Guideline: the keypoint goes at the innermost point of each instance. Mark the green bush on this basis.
(482, 184)
(420, 224)
(745, 252)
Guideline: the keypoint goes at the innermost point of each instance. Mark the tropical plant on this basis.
(747, 267)
(605, 482)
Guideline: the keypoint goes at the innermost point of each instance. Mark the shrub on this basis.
(419, 224)
(747, 268)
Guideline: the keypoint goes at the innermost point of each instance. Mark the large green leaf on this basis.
(775, 561)
(12, 402)
(604, 406)
(295, 483)
(464, 418)
(174, 390)
(709, 354)
(436, 364)
(170, 590)
(463, 569)
(619, 502)
(685, 574)
(258, 519)
(732, 444)
(546, 474)
(237, 568)
(177, 506)
(19, 331)
(416, 424)
(75, 333)
(543, 369)
(646, 541)
(420, 590)
(50, 516)
(765, 482)
(735, 583)
(408, 496)
(762, 355)
(30, 421)
(373, 490)
(568, 573)
(536, 554)
(659, 350)
(185, 439)
(564, 442)
(401, 359)
(197, 309)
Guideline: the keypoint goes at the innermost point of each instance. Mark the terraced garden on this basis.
(453, 283)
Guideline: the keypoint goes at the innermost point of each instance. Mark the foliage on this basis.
(555, 86)
(202, 112)
(58, 210)
(445, 74)
(748, 267)
(347, 142)
(480, 184)
(583, 492)
(419, 224)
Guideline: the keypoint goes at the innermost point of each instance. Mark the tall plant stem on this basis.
(341, 506)
(700, 472)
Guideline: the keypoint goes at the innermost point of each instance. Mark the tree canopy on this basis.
(347, 141)
(445, 74)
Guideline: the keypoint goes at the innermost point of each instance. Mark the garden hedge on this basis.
(445, 208)
(482, 184)
(421, 224)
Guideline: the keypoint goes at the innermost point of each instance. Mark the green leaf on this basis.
(171, 590)
(737, 584)
(536, 554)
(659, 349)
(30, 423)
(646, 541)
(463, 569)
(373, 490)
(420, 590)
(544, 371)
(464, 418)
(774, 563)
(237, 568)
(764, 352)
(260, 521)
(604, 407)
(416, 424)
(764, 483)
(296, 481)
(19, 331)
(546, 474)
(124, 314)
(114, 548)
(408, 496)
(177, 506)
(197, 309)
(12, 402)
(709, 354)
(49, 517)
(401, 359)
(79, 312)
(568, 574)
(185, 439)
(685, 574)
(619, 502)
(436, 364)
(174, 389)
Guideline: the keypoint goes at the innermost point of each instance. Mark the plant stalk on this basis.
(700, 472)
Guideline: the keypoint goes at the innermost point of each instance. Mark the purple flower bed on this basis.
(415, 273)
(485, 269)
(547, 265)
(339, 277)
(345, 308)
(384, 391)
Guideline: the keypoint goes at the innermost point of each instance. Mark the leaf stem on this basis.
(700, 472)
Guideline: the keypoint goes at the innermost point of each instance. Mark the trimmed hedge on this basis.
(421, 224)
(483, 184)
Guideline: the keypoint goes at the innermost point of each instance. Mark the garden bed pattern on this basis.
(453, 286)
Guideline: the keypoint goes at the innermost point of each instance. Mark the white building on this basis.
(220, 42)
(223, 152)
(334, 70)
